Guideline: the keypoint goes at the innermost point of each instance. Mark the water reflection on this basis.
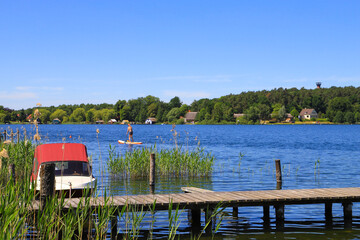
(129, 186)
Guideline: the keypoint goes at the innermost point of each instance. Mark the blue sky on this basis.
(72, 52)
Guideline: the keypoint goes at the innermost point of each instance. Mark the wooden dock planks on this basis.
(233, 198)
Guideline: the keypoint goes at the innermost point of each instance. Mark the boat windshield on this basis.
(72, 168)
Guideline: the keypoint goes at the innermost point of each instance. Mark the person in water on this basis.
(131, 132)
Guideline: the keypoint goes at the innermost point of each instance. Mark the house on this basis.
(289, 118)
(190, 116)
(56, 121)
(308, 113)
(236, 115)
(150, 120)
(111, 121)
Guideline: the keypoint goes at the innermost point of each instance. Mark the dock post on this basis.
(47, 183)
(18, 135)
(235, 212)
(195, 220)
(280, 216)
(328, 215)
(12, 136)
(4, 135)
(114, 227)
(209, 219)
(278, 174)
(152, 173)
(266, 217)
(347, 214)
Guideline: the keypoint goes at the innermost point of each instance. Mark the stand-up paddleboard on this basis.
(127, 142)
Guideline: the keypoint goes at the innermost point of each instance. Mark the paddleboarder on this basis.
(131, 132)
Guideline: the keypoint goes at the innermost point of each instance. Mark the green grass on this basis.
(176, 162)
(17, 221)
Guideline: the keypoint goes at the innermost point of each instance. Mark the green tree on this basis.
(294, 113)
(264, 111)
(44, 115)
(90, 115)
(59, 113)
(349, 117)
(252, 114)
(357, 117)
(173, 114)
(175, 103)
(339, 117)
(78, 115)
(282, 114)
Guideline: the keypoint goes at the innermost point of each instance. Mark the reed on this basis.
(176, 162)
(18, 221)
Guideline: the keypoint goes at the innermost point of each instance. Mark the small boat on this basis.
(73, 173)
(128, 142)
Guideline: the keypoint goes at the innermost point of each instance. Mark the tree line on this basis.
(336, 104)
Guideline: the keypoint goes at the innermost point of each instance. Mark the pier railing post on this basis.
(47, 183)
(152, 173)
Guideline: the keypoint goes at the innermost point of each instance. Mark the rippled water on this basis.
(312, 156)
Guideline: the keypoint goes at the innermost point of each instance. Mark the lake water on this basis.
(312, 156)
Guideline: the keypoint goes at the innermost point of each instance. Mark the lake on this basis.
(312, 156)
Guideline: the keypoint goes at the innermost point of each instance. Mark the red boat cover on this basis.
(61, 152)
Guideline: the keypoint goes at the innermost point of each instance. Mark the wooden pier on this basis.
(199, 199)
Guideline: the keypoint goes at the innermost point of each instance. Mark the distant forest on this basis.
(335, 104)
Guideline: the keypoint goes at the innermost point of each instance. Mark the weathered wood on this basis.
(328, 215)
(12, 136)
(194, 190)
(152, 170)
(47, 183)
(347, 206)
(114, 222)
(4, 133)
(266, 217)
(18, 135)
(278, 170)
(280, 216)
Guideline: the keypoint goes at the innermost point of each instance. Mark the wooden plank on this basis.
(194, 190)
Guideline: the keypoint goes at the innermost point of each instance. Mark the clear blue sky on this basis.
(95, 51)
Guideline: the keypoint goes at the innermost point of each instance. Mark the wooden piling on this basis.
(278, 170)
(328, 214)
(195, 220)
(266, 217)
(114, 222)
(4, 135)
(152, 170)
(24, 134)
(47, 183)
(18, 135)
(209, 219)
(12, 136)
(280, 216)
(347, 214)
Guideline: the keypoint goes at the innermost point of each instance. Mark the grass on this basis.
(169, 162)
(17, 221)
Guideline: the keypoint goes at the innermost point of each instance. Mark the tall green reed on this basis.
(176, 162)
